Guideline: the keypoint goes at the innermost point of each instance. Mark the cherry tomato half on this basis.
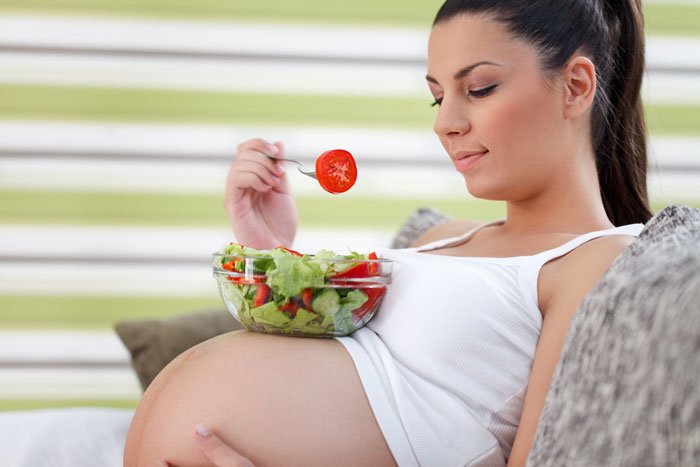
(336, 171)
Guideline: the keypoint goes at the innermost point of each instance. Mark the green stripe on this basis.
(136, 209)
(32, 404)
(389, 12)
(152, 210)
(110, 208)
(673, 120)
(93, 312)
(148, 105)
(660, 19)
(672, 20)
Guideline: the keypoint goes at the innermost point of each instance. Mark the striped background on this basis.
(118, 120)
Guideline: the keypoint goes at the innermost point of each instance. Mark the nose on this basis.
(452, 119)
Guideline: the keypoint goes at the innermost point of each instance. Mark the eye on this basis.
(437, 102)
(479, 93)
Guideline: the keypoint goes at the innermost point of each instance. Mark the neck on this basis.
(572, 204)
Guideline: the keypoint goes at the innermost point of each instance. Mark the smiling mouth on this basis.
(465, 160)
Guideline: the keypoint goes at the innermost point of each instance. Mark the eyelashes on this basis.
(483, 92)
(480, 93)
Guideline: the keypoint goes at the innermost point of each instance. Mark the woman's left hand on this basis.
(219, 453)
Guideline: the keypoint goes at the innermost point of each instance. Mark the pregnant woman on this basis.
(539, 107)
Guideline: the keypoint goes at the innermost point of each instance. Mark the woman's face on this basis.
(499, 120)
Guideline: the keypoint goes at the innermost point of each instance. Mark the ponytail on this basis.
(619, 131)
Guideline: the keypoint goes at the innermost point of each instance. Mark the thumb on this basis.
(280, 146)
(218, 452)
(280, 153)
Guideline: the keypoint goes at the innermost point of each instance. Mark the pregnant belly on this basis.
(277, 400)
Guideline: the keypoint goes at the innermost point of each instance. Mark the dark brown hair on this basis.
(611, 34)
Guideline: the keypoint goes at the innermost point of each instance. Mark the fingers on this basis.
(252, 174)
(280, 147)
(258, 150)
(218, 452)
(253, 169)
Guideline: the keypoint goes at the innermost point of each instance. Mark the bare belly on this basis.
(280, 401)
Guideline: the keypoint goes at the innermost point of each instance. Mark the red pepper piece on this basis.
(373, 267)
(373, 296)
(261, 295)
(295, 253)
(230, 265)
(247, 280)
(363, 269)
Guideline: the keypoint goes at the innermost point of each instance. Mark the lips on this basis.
(463, 154)
(465, 160)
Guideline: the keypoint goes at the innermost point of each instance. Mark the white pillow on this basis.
(70, 437)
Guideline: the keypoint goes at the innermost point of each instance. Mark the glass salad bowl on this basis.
(280, 291)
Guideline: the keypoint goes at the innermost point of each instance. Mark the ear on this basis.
(579, 86)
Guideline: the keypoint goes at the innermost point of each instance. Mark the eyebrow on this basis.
(464, 71)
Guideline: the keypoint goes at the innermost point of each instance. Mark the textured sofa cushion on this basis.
(625, 392)
(416, 224)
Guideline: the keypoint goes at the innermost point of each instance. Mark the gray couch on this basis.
(626, 391)
(627, 388)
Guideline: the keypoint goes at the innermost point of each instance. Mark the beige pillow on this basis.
(153, 343)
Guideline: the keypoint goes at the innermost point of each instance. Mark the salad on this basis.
(285, 292)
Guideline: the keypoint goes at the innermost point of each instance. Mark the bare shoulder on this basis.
(445, 230)
(599, 253)
(577, 272)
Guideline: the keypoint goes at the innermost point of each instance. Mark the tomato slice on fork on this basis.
(336, 171)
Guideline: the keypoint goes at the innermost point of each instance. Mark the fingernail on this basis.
(272, 149)
(201, 430)
(162, 464)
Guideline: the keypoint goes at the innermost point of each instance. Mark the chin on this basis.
(481, 191)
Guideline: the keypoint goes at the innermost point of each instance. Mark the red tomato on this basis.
(307, 296)
(336, 171)
(290, 307)
(261, 295)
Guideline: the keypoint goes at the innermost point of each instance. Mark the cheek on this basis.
(522, 132)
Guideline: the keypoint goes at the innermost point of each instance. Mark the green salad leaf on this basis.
(288, 275)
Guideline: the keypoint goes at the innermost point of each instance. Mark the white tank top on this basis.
(446, 361)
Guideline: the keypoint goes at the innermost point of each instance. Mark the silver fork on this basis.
(310, 174)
